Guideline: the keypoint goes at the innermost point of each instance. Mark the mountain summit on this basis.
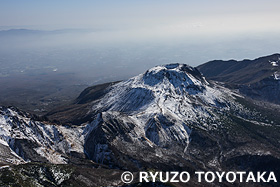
(175, 89)
(158, 113)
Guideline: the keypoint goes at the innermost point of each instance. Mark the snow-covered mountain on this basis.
(155, 114)
(168, 118)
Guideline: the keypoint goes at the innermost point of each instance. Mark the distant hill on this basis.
(30, 32)
(258, 79)
(241, 72)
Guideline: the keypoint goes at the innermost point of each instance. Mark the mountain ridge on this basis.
(169, 118)
(228, 71)
(257, 79)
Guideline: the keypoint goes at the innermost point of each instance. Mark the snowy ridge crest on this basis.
(173, 88)
(179, 75)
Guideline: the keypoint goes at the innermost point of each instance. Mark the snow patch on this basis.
(2, 167)
(59, 175)
(276, 76)
(51, 155)
(274, 63)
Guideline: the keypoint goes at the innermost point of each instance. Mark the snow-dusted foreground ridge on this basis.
(23, 139)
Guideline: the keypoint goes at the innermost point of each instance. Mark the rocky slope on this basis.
(171, 114)
(168, 118)
(30, 140)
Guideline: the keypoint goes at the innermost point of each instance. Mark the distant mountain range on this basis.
(30, 32)
(169, 118)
